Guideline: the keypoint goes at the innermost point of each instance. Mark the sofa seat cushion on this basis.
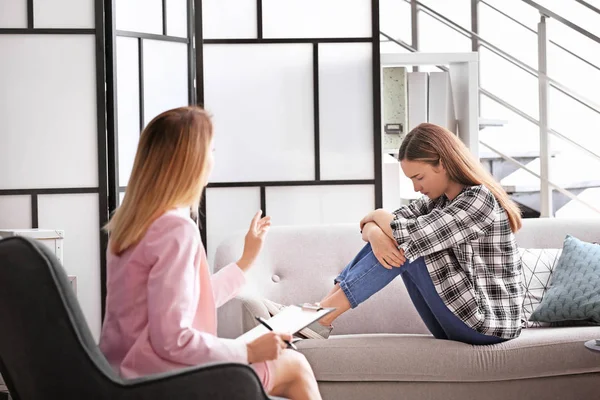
(538, 352)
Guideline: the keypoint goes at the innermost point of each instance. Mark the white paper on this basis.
(290, 320)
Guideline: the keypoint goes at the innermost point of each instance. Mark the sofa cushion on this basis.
(574, 293)
(538, 352)
(538, 265)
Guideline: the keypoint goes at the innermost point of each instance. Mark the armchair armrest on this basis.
(237, 316)
(217, 381)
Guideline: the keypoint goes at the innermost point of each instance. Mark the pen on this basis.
(266, 325)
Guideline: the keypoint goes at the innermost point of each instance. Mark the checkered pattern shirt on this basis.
(471, 255)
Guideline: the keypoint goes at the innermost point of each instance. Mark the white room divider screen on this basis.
(293, 87)
(151, 61)
(53, 171)
(294, 90)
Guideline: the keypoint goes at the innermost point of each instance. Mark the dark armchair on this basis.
(47, 350)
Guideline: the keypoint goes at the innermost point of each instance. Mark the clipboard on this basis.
(292, 319)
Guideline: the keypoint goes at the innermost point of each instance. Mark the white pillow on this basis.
(538, 265)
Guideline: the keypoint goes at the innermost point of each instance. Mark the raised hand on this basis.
(254, 240)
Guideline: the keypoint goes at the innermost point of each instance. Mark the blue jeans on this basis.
(365, 276)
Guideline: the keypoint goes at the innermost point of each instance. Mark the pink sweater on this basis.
(161, 302)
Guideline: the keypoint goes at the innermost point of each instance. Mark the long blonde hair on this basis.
(431, 144)
(169, 171)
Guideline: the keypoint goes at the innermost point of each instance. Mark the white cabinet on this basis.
(53, 239)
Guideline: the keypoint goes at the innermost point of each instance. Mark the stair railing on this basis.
(545, 82)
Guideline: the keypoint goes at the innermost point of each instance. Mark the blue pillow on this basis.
(574, 291)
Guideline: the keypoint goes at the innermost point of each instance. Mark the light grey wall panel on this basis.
(14, 14)
(228, 210)
(316, 18)
(77, 215)
(15, 212)
(346, 110)
(177, 18)
(261, 97)
(48, 111)
(165, 77)
(128, 104)
(63, 14)
(139, 16)
(312, 205)
(229, 19)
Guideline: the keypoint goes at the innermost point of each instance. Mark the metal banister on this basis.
(534, 121)
(588, 5)
(554, 185)
(543, 10)
(508, 57)
(580, 58)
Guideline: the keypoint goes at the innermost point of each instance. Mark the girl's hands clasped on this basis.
(254, 240)
(370, 217)
(385, 249)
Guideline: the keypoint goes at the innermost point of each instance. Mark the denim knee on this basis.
(365, 278)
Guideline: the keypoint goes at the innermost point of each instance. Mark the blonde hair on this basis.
(169, 171)
(431, 144)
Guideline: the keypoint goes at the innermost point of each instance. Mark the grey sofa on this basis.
(382, 350)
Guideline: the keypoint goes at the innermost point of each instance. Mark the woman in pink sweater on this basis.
(162, 300)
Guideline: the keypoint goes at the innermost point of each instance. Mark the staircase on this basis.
(524, 188)
(524, 149)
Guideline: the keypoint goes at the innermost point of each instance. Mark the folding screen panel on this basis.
(142, 16)
(15, 211)
(153, 72)
(14, 14)
(314, 205)
(77, 14)
(294, 90)
(71, 213)
(222, 20)
(223, 209)
(129, 121)
(263, 111)
(318, 19)
(346, 111)
(53, 140)
(165, 76)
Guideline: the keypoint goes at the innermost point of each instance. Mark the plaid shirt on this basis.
(471, 255)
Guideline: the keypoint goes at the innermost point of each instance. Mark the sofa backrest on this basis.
(549, 233)
(299, 263)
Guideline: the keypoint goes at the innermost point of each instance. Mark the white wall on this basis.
(49, 134)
